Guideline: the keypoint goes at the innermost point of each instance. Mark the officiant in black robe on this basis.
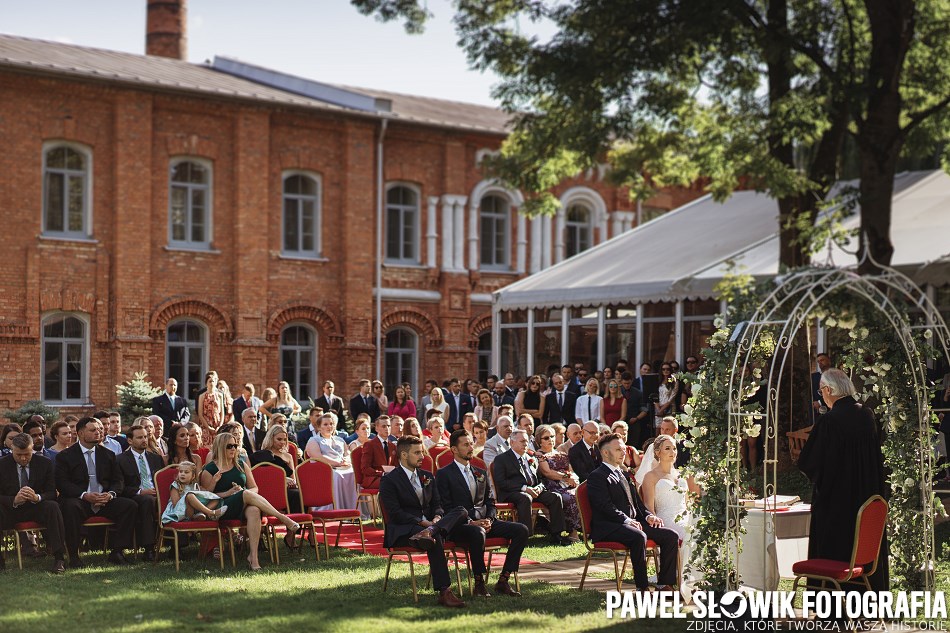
(844, 462)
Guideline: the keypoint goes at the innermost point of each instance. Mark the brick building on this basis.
(174, 217)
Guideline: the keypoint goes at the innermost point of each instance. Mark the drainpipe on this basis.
(379, 250)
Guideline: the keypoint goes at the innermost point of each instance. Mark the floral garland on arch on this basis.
(881, 372)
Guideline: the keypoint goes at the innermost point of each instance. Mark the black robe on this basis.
(844, 462)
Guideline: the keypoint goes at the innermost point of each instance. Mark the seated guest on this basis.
(156, 443)
(329, 448)
(498, 444)
(574, 434)
(632, 460)
(584, 455)
(461, 484)
(435, 435)
(377, 453)
(6, 438)
(232, 480)
(412, 427)
(526, 424)
(114, 429)
(516, 481)
(110, 443)
(396, 425)
(557, 477)
(62, 435)
(236, 431)
(28, 493)
(560, 432)
(414, 515)
(138, 467)
(618, 514)
(194, 443)
(89, 482)
(251, 436)
(362, 434)
(311, 430)
(480, 436)
(34, 429)
(468, 422)
(274, 451)
(402, 404)
(180, 449)
(71, 420)
(170, 407)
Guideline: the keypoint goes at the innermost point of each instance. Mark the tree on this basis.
(737, 92)
(135, 397)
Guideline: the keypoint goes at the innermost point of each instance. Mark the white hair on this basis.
(519, 432)
(838, 382)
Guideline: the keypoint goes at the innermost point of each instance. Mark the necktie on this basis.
(590, 416)
(146, 481)
(386, 449)
(24, 479)
(417, 486)
(250, 440)
(91, 467)
(505, 444)
(626, 489)
(560, 400)
(593, 453)
(526, 471)
(471, 481)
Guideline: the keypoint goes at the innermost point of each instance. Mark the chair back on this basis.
(428, 464)
(434, 452)
(294, 451)
(315, 481)
(868, 532)
(479, 462)
(444, 458)
(272, 485)
(583, 507)
(163, 484)
(356, 458)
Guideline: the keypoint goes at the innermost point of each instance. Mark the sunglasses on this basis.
(612, 385)
(230, 446)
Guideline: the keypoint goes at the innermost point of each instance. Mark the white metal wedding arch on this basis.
(781, 315)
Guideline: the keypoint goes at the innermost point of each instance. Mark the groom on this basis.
(618, 514)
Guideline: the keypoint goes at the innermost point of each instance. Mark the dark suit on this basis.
(454, 491)
(240, 404)
(358, 406)
(404, 512)
(258, 439)
(582, 462)
(638, 431)
(506, 398)
(559, 413)
(465, 405)
(372, 460)
(46, 512)
(574, 387)
(147, 504)
(72, 481)
(336, 406)
(610, 508)
(303, 436)
(509, 479)
(170, 411)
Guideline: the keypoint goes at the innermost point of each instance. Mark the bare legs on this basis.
(193, 504)
(254, 506)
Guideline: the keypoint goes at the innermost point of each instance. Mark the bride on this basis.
(664, 493)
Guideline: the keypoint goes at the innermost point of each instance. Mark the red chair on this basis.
(444, 458)
(25, 527)
(428, 464)
(434, 452)
(203, 453)
(477, 461)
(163, 482)
(315, 481)
(868, 532)
(108, 524)
(272, 485)
(363, 495)
(508, 509)
(294, 451)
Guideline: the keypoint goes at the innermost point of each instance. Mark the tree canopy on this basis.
(733, 93)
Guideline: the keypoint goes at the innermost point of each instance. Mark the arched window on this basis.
(495, 234)
(189, 204)
(298, 360)
(186, 356)
(402, 225)
(578, 230)
(65, 359)
(402, 350)
(66, 191)
(484, 357)
(301, 198)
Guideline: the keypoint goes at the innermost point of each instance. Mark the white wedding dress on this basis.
(669, 502)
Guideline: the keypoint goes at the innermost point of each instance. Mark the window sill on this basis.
(498, 271)
(72, 405)
(412, 265)
(186, 249)
(302, 258)
(65, 239)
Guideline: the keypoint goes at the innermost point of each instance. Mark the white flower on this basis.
(695, 388)
(688, 443)
(757, 373)
(876, 388)
(688, 409)
(753, 430)
(830, 322)
(863, 332)
(928, 334)
(717, 322)
(886, 366)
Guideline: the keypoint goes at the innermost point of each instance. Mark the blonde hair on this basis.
(190, 465)
(436, 391)
(658, 443)
(272, 430)
(219, 452)
(277, 420)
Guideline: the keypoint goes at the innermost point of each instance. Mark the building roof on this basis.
(172, 75)
(683, 254)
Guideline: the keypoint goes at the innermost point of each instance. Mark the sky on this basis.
(324, 40)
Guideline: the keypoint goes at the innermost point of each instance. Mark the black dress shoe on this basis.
(118, 558)
(59, 567)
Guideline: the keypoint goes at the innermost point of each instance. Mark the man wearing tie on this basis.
(171, 408)
(498, 443)
(377, 452)
(138, 467)
(618, 514)
(414, 514)
(89, 483)
(459, 404)
(559, 404)
(500, 394)
(253, 436)
(461, 484)
(329, 402)
(28, 493)
(363, 402)
(516, 481)
(585, 456)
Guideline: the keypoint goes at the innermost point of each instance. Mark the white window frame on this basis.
(317, 252)
(86, 173)
(414, 350)
(84, 341)
(504, 236)
(208, 188)
(295, 383)
(578, 228)
(183, 386)
(403, 211)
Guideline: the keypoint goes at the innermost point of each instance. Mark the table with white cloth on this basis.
(773, 541)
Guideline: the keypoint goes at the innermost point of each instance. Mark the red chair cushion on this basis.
(610, 545)
(98, 521)
(335, 514)
(28, 525)
(837, 569)
(191, 525)
(369, 491)
(651, 544)
(496, 542)
(504, 506)
(231, 523)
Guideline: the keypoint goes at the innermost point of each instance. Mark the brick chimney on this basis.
(165, 29)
